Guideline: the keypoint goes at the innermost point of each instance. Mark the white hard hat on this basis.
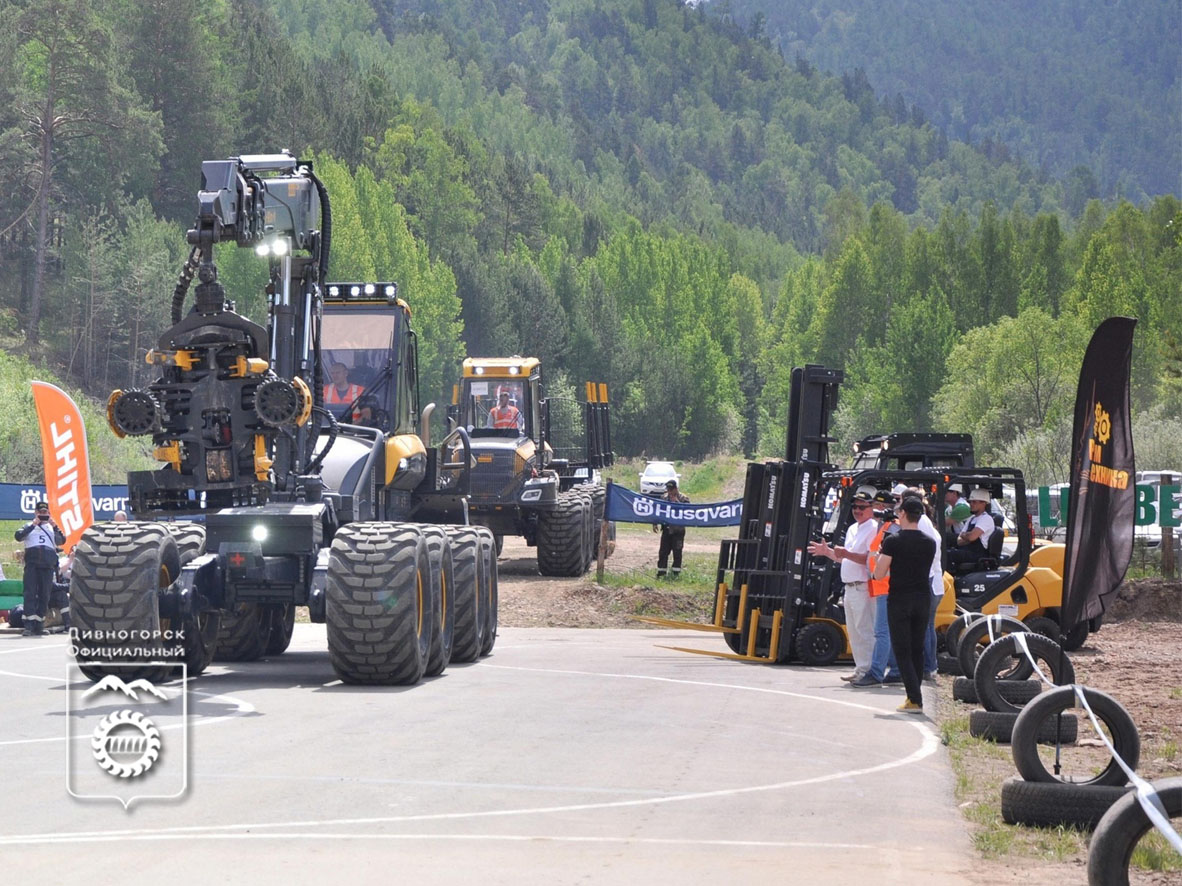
(980, 495)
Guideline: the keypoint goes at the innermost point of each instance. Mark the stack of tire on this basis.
(1041, 797)
(1001, 675)
(568, 536)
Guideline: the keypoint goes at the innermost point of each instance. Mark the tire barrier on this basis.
(1053, 804)
(1017, 691)
(1122, 827)
(990, 628)
(1110, 712)
(947, 664)
(997, 655)
(999, 727)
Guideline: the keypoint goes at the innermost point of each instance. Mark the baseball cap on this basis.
(912, 507)
(959, 512)
(670, 484)
(898, 489)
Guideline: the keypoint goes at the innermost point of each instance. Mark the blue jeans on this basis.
(883, 660)
(929, 642)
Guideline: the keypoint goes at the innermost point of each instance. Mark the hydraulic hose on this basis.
(182, 283)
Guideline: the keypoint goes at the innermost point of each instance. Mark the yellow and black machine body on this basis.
(293, 453)
(776, 603)
(537, 459)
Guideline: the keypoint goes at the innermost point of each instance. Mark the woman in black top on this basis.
(907, 557)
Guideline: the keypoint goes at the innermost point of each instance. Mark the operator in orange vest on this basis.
(339, 392)
(505, 414)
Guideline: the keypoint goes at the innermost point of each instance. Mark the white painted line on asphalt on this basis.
(928, 746)
(35, 646)
(29, 676)
(509, 838)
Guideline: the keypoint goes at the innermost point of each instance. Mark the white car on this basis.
(656, 475)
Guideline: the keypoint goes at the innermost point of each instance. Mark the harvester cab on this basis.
(536, 459)
(292, 456)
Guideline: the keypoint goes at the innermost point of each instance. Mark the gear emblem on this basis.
(126, 744)
(1103, 427)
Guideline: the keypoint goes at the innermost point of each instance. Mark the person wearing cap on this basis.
(505, 414)
(859, 611)
(956, 511)
(906, 557)
(672, 537)
(42, 538)
(972, 543)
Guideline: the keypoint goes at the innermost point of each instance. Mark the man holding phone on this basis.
(42, 538)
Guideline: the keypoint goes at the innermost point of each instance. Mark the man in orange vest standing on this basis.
(505, 414)
(339, 392)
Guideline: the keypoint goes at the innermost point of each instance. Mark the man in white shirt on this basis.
(973, 541)
(859, 609)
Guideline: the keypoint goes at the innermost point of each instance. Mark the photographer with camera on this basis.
(42, 538)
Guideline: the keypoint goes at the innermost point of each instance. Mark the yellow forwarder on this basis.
(536, 459)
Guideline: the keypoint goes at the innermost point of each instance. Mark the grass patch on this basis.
(1176, 692)
(1153, 853)
(979, 767)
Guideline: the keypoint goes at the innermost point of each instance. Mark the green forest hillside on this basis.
(636, 191)
(1089, 92)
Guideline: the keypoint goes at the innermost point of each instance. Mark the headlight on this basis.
(258, 532)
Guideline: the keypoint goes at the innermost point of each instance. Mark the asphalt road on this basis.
(565, 757)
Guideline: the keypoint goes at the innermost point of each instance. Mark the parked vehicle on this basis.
(655, 475)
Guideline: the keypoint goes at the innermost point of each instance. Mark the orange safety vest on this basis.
(878, 586)
(504, 418)
(332, 395)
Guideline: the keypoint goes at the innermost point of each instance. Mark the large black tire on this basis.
(955, 629)
(1111, 714)
(1121, 828)
(819, 643)
(969, 647)
(1041, 624)
(489, 593)
(947, 664)
(1052, 804)
(282, 627)
(245, 633)
(189, 538)
(1076, 637)
(443, 605)
(470, 562)
(562, 538)
(588, 538)
(119, 571)
(378, 604)
(200, 629)
(999, 727)
(998, 656)
(598, 502)
(1017, 691)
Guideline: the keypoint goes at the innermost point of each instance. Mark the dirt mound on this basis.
(1147, 599)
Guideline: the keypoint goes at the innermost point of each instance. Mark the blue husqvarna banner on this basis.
(18, 501)
(625, 506)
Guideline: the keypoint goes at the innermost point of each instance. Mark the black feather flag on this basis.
(1103, 476)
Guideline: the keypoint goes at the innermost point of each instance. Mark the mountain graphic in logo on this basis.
(111, 683)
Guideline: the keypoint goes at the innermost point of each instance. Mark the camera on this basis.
(887, 515)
